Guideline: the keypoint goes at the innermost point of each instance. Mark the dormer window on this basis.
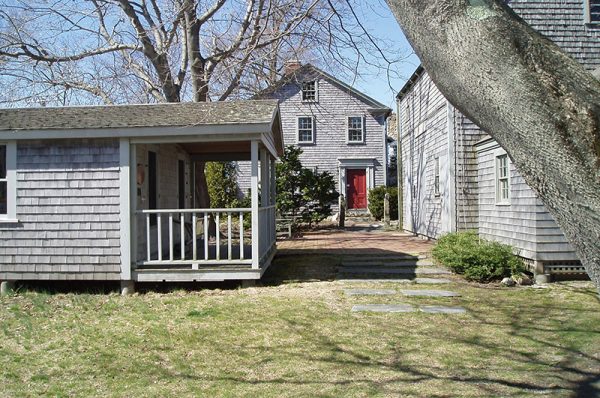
(592, 11)
(309, 91)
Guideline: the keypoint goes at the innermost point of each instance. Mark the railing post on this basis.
(254, 200)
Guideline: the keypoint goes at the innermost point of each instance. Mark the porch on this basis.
(172, 237)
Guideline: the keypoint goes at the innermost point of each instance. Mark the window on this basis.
(592, 11)
(8, 190)
(356, 129)
(502, 179)
(306, 128)
(309, 91)
(436, 177)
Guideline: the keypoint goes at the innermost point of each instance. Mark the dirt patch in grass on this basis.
(295, 336)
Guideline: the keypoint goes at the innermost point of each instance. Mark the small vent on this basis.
(563, 267)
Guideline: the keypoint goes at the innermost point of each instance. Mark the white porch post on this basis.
(273, 182)
(133, 201)
(254, 199)
(265, 181)
(125, 207)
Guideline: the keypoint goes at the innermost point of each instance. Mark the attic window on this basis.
(592, 11)
(309, 91)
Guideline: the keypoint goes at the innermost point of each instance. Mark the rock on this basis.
(524, 280)
(508, 281)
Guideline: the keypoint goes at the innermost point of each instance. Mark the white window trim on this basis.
(499, 200)
(316, 91)
(312, 141)
(363, 122)
(11, 183)
(436, 174)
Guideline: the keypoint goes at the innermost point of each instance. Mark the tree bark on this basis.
(540, 105)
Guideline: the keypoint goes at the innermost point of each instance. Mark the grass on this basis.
(297, 337)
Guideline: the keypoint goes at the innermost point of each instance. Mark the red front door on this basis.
(356, 187)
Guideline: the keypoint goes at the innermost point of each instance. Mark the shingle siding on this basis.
(330, 114)
(68, 211)
(423, 116)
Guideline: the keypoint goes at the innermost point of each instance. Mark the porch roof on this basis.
(144, 120)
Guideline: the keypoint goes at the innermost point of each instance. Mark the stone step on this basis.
(429, 293)
(404, 263)
(424, 281)
(385, 256)
(394, 271)
(369, 292)
(394, 308)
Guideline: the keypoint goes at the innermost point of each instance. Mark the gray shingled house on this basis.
(339, 129)
(456, 177)
(106, 192)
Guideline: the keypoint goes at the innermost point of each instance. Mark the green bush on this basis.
(221, 180)
(301, 192)
(376, 196)
(477, 259)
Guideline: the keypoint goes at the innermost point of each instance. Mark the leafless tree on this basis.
(538, 103)
(135, 51)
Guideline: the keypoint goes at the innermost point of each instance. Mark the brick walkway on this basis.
(357, 239)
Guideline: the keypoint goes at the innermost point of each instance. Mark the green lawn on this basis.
(297, 337)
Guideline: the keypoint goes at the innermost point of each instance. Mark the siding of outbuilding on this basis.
(330, 114)
(68, 211)
(423, 114)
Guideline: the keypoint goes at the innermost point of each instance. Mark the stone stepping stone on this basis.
(369, 292)
(432, 281)
(429, 293)
(440, 309)
(392, 271)
(384, 308)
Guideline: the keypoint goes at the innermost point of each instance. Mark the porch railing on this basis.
(184, 236)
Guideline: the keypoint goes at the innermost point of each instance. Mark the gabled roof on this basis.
(226, 121)
(144, 115)
(309, 68)
(411, 82)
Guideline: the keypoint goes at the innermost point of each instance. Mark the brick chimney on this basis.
(291, 66)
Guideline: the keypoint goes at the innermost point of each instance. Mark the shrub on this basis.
(301, 192)
(476, 258)
(222, 184)
(376, 197)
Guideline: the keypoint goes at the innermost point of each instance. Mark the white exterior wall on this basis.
(424, 118)
(68, 212)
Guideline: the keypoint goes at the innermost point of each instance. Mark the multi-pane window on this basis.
(3, 182)
(309, 91)
(305, 130)
(436, 177)
(502, 179)
(355, 129)
(592, 11)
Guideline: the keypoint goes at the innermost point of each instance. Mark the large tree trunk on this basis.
(537, 102)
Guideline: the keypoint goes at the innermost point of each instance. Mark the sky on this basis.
(379, 21)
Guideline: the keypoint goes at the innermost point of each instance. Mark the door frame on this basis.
(368, 164)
